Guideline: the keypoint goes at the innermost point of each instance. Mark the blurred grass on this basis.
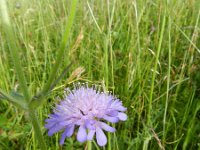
(116, 42)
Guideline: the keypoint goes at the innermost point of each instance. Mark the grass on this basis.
(146, 52)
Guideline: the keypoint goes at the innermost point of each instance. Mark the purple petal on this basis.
(122, 116)
(82, 135)
(56, 123)
(67, 133)
(51, 120)
(118, 106)
(50, 125)
(90, 124)
(113, 113)
(101, 138)
(90, 135)
(107, 127)
(122, 108)
(53, 116)
(54, 130)
(66, 123)
(111, 119)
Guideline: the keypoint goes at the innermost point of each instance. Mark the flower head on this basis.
(87, 109)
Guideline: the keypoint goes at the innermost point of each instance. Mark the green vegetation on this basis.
(146, 52)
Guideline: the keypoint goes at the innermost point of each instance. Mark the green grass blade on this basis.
(62, 48)
(14, 49)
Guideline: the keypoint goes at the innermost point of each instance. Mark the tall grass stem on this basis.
(14, 49)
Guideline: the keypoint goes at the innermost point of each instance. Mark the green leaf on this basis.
(15, 98)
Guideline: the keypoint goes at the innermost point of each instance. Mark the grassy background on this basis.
(146, 52)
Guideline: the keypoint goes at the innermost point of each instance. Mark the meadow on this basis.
(146, 52)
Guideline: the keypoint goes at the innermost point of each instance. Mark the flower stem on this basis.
(37, 129)
(89, 145)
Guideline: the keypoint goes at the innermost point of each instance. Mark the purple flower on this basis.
(87, 109)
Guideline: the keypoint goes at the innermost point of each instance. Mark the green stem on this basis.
(37, 129)
(149, 124)
(89, 145)
(14, 50)
(62, 48)
(154, 71)
(168, 80)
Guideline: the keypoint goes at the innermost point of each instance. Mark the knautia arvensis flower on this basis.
(87, 110)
